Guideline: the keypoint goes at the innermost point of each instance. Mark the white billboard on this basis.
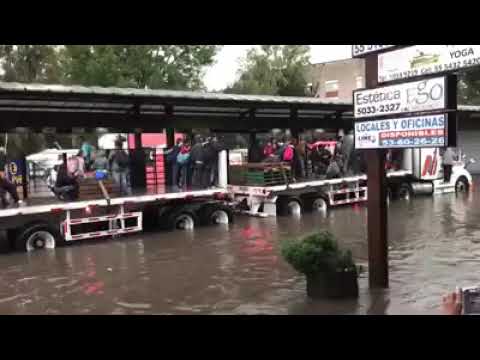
(420, 60)
(424, 95)
(361, 50)
(422, 131)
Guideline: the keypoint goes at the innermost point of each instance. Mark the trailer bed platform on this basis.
(48, 205)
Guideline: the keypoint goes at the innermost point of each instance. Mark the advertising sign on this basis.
(420, 60)
(424, 95)
(422, 131)
(361, 50)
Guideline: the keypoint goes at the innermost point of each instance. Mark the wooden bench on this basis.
(91, 189)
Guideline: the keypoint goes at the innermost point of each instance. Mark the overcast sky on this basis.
(224, 72)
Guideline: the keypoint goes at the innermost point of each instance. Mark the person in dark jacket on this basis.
(255, 153)
(66, 186)
(197, 155)
(209, 159)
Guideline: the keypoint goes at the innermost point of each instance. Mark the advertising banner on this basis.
(422, 60)
(418, 96)
(412, 132)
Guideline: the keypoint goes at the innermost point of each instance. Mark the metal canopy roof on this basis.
(37, 106)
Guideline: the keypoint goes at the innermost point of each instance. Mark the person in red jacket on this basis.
(269, 148)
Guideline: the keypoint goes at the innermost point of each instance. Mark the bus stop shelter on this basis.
(36, 107)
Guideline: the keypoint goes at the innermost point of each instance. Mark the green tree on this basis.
(30, 63)
(273, 70)
(138, 66)
(469, 87)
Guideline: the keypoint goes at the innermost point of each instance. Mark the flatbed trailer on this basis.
(32, 227)
(320, 195)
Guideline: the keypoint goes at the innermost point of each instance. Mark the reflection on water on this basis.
(237, 269)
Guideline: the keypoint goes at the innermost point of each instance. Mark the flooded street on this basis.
(434, 246)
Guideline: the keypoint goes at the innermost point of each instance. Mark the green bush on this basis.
(317, 253)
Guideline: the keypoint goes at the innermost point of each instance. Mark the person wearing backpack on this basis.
(119, 167)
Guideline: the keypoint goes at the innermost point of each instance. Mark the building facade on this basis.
(336, 80)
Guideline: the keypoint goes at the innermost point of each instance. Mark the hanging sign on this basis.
(422, 131)
(422, 60)
(362, 50)
(418, 96)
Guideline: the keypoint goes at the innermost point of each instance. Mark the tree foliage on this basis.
(469, 87)
(273, 70)
(30, 63)
(138, 66)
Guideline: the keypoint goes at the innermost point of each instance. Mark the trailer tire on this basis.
(214, 214)
(37, 237)
(462, 185)
(289, 205)
(316, 204)
(405, 192)
(179, 219)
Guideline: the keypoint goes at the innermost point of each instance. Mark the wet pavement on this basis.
(237, 269)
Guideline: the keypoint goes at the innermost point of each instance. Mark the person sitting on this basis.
(66, 186)
(10, 188)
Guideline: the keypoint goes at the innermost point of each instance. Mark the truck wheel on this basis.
(316, 204)
(37, 237)
(405, 192)
(462, 185)
(289, 206)
(214, 214)
(180, 220)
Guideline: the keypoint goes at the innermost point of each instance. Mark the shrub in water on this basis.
(317, 253)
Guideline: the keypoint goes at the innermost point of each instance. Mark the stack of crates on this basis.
(155, 172)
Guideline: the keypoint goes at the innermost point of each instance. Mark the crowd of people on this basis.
(115, 163)
(194, 165)
(331, 158)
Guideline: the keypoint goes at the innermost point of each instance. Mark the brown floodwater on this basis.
(237, 269)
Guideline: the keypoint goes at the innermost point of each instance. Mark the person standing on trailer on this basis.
(183, 163)
(269, 149)
(448, 161)
(210, 158)
(301, 157)
(217, 146)
(197, 158)
(87, 152)
(100, 165)
(172, 155)
(119, 166)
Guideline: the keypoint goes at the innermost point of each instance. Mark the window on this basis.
(331, 89)
(359, 80)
